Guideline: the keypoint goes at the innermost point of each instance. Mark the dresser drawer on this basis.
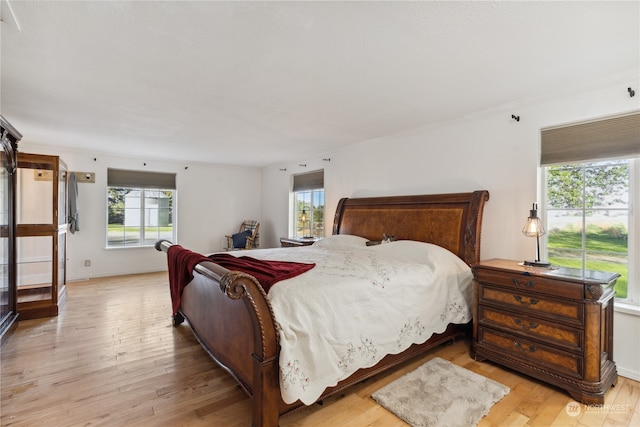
(519, 282)
(537, 329)
(530, 352)
(550, 308)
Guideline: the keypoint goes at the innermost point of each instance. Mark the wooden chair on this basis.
(249, 231)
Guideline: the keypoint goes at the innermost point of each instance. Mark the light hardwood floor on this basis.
(112, 358)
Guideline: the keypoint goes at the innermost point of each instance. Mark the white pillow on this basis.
(342, 241)
(421, 253)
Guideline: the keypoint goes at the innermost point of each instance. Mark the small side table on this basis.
(292, 242)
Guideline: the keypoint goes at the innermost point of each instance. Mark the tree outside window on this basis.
(588, 214)
(139, 216)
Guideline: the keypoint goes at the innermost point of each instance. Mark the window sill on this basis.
(112, 248)
(626, 308)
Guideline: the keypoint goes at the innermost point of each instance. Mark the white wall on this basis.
(212, 201)
(486, 151)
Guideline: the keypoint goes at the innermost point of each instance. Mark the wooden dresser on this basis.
(552, 324)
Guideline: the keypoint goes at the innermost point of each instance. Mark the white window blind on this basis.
(613, 137)
(140, 179)
(309, 181)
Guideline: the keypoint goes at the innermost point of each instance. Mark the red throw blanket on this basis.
(267, 272)
(182, 261)
(181, 264)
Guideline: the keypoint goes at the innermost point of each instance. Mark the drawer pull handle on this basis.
(532, 348)
(532, 301)
(525, 325)
(529, 284)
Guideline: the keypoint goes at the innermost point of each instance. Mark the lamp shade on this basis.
(533, 227)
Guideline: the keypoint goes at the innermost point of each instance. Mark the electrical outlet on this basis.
(87, 263)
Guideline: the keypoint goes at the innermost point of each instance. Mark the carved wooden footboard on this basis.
(231, 317)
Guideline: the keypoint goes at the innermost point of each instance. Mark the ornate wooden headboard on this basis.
(452, 221)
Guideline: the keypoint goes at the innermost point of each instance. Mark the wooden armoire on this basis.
(8, 297)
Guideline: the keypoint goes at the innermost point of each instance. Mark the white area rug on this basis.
(441, 394)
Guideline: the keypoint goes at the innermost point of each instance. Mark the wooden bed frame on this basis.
(232, 318)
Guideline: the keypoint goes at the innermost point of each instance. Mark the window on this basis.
(309, 213)
(589, 218)
(139, 208)
(591, 183)
(308, 206)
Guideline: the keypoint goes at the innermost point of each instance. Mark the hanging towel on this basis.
(72, 199)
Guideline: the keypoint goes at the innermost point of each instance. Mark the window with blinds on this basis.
(308, 206)
(139, 207)
(591, 180)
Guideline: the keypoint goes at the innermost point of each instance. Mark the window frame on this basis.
(311, 214)
(142, 220)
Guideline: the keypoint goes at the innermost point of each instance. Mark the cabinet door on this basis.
(63, 216)
(41, 240)
(8, 311)
(61, 277)
(5, 297)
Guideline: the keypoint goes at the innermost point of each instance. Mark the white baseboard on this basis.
(628, 373)
(102, 275)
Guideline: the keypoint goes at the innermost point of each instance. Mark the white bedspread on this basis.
(359, 304)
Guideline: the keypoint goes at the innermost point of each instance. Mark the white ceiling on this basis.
(261, 83)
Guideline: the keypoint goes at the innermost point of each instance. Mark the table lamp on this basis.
(534, 228)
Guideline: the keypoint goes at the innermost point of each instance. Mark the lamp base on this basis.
(537, 263)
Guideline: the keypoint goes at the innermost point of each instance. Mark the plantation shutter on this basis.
(309, 181)
(140, 179)
(615, 137)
